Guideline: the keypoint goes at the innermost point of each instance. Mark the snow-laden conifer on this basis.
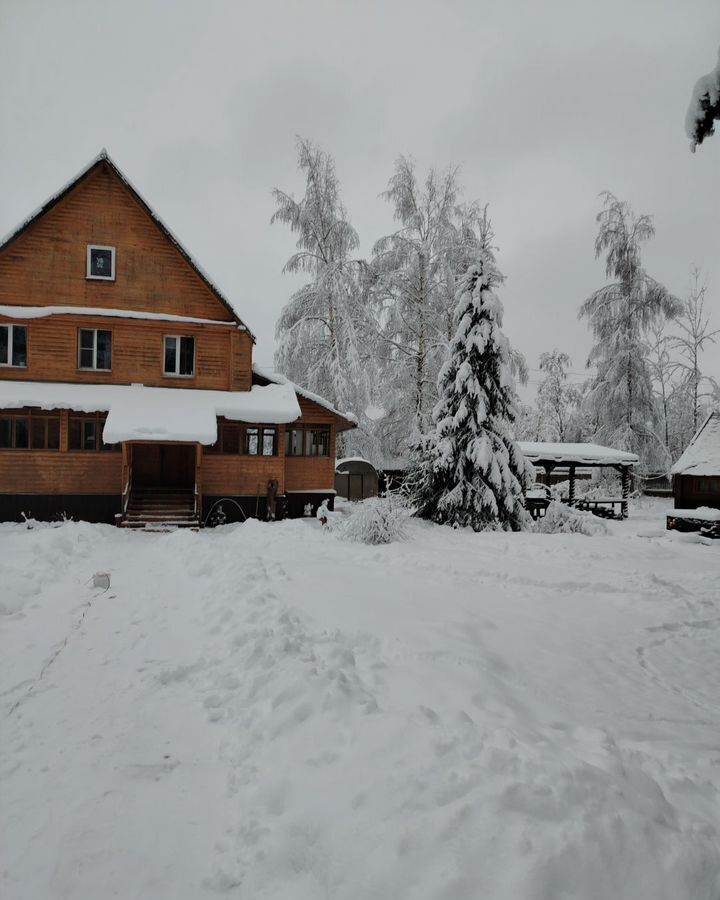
(470, 471)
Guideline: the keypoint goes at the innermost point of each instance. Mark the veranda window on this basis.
(26, 429)
(85, 433)
(13, 345)
(248, 440)
(308, 440)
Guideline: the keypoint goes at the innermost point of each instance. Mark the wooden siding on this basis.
(223, 356)
(55, 472)
(46, 265)
(244, 476)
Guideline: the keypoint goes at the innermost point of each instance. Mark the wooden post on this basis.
(625, 490)
(571, 489)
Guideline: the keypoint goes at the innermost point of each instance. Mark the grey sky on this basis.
(543, 104)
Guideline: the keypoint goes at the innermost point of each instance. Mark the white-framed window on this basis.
(100, 263)
(13, 345)
(179, 356)
(95, 349)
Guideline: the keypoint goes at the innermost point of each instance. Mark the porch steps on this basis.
(159, 508)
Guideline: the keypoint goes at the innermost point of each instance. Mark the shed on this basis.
(696, 475)
(355, 478)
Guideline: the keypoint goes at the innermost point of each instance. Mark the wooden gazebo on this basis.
(569, 457)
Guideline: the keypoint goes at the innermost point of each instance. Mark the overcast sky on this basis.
(543, 105)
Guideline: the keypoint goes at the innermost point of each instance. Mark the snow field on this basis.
(265, 711)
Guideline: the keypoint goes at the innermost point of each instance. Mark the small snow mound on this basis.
(562, 519)
(375, 521)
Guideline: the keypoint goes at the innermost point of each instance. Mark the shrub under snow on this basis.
(562, 519)
(375, 521)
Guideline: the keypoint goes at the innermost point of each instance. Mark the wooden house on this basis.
(696, 475)
(127, 386)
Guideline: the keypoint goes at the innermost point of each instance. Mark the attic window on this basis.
(100, 263)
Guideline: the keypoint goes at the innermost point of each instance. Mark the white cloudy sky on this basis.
(543, 105)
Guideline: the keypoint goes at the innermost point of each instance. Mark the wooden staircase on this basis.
(161, 508)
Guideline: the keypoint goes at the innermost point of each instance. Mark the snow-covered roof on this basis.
(139, 413)
(276, 378)
(351, 459)
(104, 156)
(702, 456)
(41, 312)
(588, 454)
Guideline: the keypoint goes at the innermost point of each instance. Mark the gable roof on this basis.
(103, 158)
(702, 455)
(262, 375)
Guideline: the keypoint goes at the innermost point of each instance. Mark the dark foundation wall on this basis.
(290, 506)
(53, 507)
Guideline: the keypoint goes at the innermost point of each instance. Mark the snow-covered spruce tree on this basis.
(620, 397)
(704, 108)
(321, 331)
(470, 471)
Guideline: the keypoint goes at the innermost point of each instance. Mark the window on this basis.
(179, 355)
(13, 345)
(29, 429)
(85, 433)
(249, 440)
(307, 440)
(95, 349)
(100, 263)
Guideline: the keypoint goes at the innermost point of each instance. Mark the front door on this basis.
(163, 465)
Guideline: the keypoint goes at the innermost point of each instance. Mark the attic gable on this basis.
(43, 261)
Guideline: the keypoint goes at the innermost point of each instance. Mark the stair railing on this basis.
(126, 491)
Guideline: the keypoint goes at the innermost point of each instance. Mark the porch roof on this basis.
(139, 413)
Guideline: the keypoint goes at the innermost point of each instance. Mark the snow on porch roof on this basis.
(139, 413)
(584, 454)
(702, 456)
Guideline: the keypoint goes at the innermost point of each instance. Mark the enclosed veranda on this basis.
(568, 458)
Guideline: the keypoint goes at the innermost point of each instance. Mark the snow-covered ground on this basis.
(265, 711)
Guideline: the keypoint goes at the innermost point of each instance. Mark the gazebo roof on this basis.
(559, 454)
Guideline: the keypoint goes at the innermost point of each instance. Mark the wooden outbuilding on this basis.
(553, 457)
(127, 386)
(696, 475)
(356, 478)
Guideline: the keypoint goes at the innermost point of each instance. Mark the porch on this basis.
(161, 484)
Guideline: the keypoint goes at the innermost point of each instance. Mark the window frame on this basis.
(88, 263)
(306, 429)
(30, 415)
(10, 344)
(178, 338)
(93, 368)
(243, 431)
(97, 419)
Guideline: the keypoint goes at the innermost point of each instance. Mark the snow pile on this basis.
(601, 486)
(375, 521)
(560, 518)
(258, 711)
